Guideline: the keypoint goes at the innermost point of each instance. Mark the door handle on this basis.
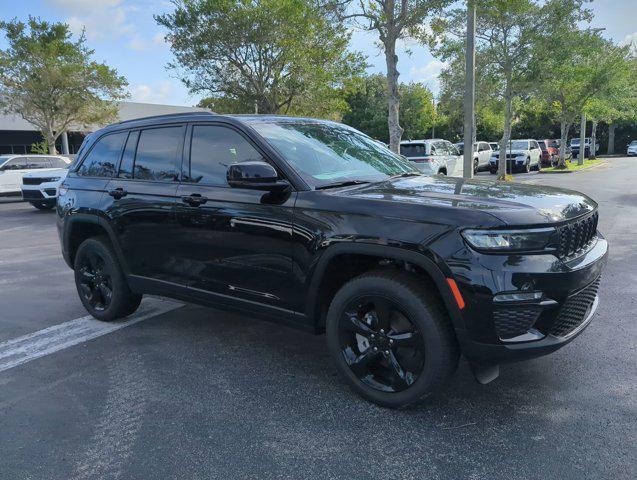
(117, 193)
(194, 200)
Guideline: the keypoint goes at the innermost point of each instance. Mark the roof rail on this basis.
(166, 115)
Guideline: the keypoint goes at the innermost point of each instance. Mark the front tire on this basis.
(527, 166)
(101, 283)
(42, 205)
(390, 338)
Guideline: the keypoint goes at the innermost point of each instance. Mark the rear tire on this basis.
(101, 283)
(416, 352)
(475, 166)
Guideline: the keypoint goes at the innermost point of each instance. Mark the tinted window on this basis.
(157, 154)
(39, 162)
(103, 157)
(126, 166)
(212, 150)
(413, 150)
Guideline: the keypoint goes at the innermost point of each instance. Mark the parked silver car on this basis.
(481, 155)
(433, 156)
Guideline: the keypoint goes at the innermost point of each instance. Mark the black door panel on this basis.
(237, 242)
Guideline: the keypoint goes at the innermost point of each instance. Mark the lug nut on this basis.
(386, 352)
(391, 342)
(375, 349)
(382, 331)
(372, 336)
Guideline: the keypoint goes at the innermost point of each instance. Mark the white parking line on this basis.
(23, 349)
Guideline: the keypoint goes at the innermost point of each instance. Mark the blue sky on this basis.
(125, 36)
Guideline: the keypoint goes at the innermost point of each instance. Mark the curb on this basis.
(560, 172)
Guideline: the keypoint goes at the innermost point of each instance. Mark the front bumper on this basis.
(496, 332)
(45, 192)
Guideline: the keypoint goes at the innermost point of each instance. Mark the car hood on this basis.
(49, 172)
(512, 203)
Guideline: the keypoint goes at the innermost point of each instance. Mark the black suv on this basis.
(313, 223)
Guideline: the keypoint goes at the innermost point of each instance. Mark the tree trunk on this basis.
(50, 138)
(611, 139)
(393, 100)
(506, 136)
(582, 138)
(593, 139)
(561, 162)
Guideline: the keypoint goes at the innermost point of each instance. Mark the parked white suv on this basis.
(632, 148)
(433, 156)
(520, 155)
(14, 167)
(481, 155)
(40, 188)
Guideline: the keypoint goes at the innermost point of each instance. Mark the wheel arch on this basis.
(80, 227)
(376, 255)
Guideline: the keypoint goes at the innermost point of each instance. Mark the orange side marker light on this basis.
(456, 293)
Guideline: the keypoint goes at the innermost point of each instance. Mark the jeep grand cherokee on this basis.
(313, 223)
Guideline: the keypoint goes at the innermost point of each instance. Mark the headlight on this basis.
(536, 239)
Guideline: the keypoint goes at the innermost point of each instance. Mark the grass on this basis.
(573, 166)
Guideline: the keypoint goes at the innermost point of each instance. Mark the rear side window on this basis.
(102, 160)
(413, 150)
(157, 152)
(20, 163)
(212, 150)
(39, 162)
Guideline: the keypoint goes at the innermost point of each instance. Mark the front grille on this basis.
(513, 321)
(31, 181)
(32, 194)
(577, 236)
(574, 310)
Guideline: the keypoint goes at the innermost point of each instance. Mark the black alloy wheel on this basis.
(101, 283)
(391, 338)
(95, 282)
(383, 348)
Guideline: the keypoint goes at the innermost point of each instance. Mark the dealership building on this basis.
(17, 135)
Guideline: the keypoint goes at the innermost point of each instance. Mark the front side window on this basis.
(39, 162)
(57, 162)
(102, 160)
(212, 149)
(157, 152)
(327, 154)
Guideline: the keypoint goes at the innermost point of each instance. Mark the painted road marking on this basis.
(23, 349)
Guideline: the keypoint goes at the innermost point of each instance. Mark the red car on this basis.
(550, 151)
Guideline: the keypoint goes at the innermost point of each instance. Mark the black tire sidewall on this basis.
(418, 312)
(123, 301)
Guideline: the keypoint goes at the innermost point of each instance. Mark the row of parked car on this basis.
(438, 156)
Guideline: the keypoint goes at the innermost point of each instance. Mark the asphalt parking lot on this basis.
(198, 393)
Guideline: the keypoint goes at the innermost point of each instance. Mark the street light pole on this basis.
(469, 90)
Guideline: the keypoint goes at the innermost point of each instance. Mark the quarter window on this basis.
(212, 150)
(157, 152)
(102, 160)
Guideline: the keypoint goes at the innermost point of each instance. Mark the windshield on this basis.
(519, 145)
(324, 153)
(633, 143)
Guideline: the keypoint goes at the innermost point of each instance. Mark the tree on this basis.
(508, 33)
(393, 20)
(368, 108)
(589, 67)
(49, 79)
(272, 56)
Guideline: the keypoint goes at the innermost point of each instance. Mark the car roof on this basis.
(420, 142)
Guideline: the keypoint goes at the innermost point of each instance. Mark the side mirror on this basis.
(256, 176)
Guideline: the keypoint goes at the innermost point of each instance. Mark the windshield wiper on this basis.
(346, 183)
(408, 174)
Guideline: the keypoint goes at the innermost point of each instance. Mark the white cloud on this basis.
(428, 74)
(632, 41)
(161, 92)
